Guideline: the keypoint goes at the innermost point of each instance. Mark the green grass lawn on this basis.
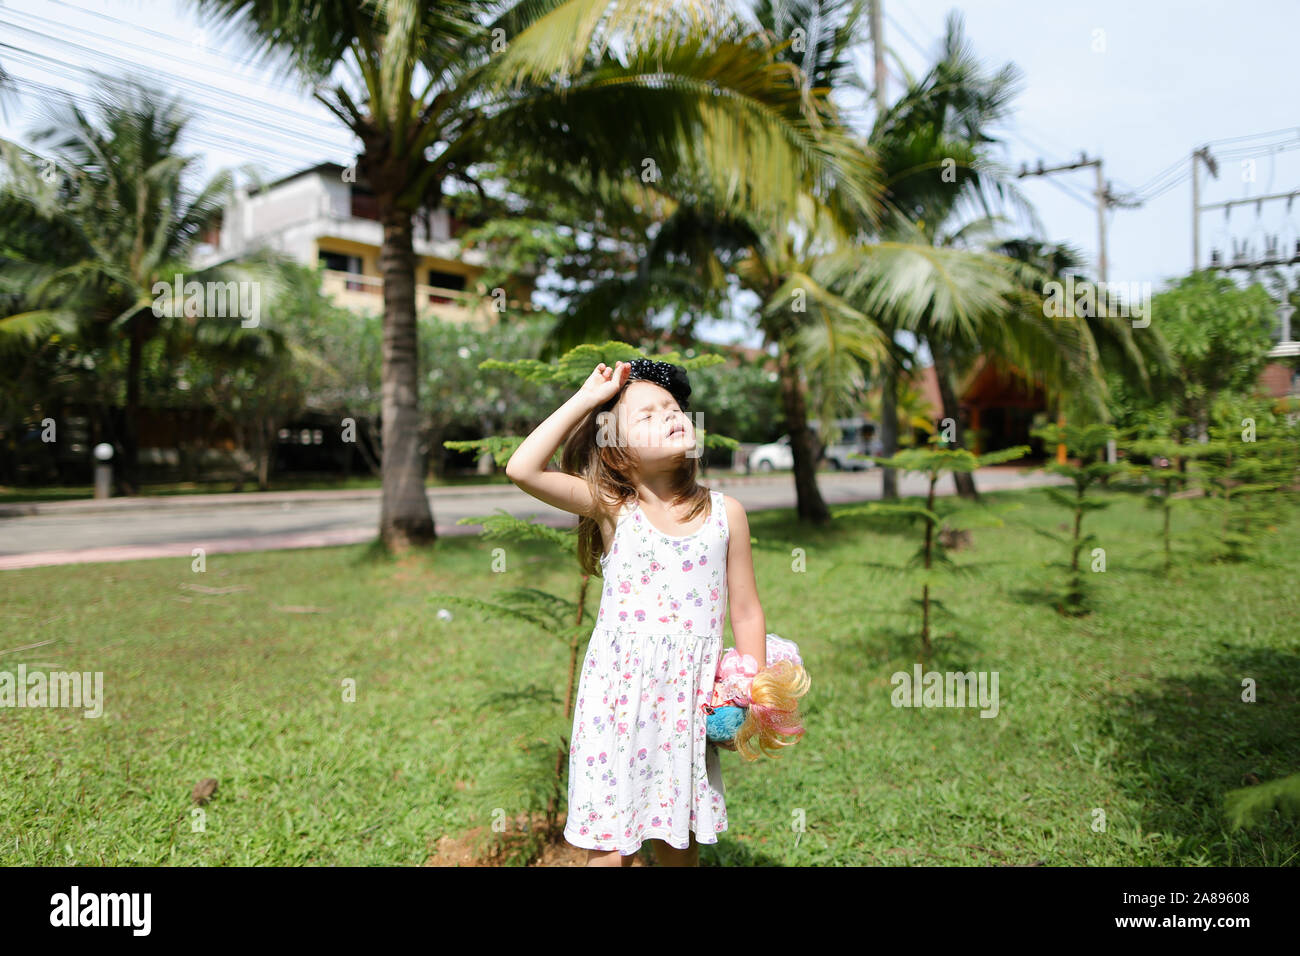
(1134, 711)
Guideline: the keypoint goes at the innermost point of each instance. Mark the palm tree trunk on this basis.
(943, 371)
(888, 428)
(405, 518)
(808, 498)
(265, 445)
(130, 468)
(925, 590)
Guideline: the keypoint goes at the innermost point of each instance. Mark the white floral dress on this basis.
(640, 764)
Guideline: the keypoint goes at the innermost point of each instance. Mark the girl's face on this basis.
(651, 421)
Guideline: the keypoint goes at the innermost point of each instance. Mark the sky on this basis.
(1139, 83)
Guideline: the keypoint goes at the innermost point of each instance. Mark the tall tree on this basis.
(434, 92)
(828, 301)
(933, 143)
(116, 189)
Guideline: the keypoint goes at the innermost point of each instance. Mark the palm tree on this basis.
(1140, 360)
(126, 221)
(933, 146)
(828, 304)
(912, 412)
(436, 92)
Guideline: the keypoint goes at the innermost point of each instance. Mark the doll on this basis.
(747, 701)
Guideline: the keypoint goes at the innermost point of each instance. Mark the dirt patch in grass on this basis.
(473, 848)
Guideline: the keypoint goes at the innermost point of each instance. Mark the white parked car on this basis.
(773, 456)
(852, 441)
(777, 455)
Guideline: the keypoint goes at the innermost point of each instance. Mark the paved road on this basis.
(123, 529)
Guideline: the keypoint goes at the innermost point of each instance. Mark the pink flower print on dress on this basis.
(640, 754)
(624, 587)
(704, 559)
(640, 616)
(687, 565)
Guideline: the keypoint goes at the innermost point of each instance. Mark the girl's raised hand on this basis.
(604, 382)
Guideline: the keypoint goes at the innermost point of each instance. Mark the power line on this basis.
(200, 87)
(925, 55)
(1073, 194)
(143, 29)
(191, 135)
(1235, 139)
(204, 91)
(204, 130)
(1176, 181)
(218, 136)
(1173, 167)
(1155, 187)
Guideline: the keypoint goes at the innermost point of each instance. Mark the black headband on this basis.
(664, 374)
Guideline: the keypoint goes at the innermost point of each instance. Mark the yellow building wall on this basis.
(369, 256)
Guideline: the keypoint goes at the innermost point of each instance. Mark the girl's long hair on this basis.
(596, 451)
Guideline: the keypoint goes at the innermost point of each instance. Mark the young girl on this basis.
(671, 553)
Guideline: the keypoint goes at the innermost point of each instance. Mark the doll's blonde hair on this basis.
(773, 710)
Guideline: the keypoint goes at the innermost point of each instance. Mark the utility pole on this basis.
(1105, 199)
(1203, 154)
(876, 17)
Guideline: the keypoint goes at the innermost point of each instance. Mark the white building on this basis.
(316, 215)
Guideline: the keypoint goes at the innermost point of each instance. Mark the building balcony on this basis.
(363, 293)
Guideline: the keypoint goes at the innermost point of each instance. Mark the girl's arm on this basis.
(527, 466)
(747, 622)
